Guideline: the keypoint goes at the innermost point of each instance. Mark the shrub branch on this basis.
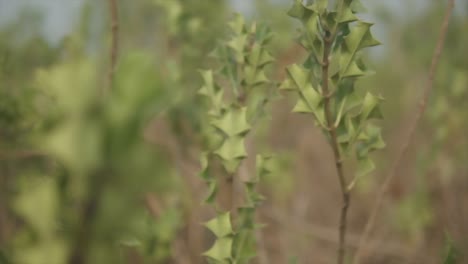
(412, 129)
(328, 42)
(114, 13)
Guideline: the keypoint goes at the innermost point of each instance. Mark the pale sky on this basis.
(59, 15)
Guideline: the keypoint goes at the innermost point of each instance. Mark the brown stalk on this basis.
(80, 248)
(328, 42)
(114, 12)
(411, 132)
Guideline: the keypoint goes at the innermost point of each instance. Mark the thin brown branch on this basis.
(114, 13)
(411, 132)
(328, 42)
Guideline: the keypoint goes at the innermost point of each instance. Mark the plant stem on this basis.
(84, 234)
(328, 42)
(411, 132)
(114, 13)
(98, 179)
(230, 193)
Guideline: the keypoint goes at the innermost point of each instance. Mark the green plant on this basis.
(451, 254)
(236, 95)
(94, 136)
(105, 142)
(325, 83)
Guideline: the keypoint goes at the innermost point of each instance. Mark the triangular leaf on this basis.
(221, 250)
(221, 225)
(358, 38)
(233, 122)
(232, 148)
(237, 24)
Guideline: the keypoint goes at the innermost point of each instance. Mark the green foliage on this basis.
(42, 242)
(64, 147)
(234, 108)
(335, 40)
(451, 254)
(20, 58)
(154, 236)
(83, 135)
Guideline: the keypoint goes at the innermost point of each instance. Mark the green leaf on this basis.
(370, 108)
(359, 37)
(310, 18)
(221, 225)
(214, 139)
(231, 166)
(253, 197)
(244, 247)
(232, 151)
(258, 56)
(264, 165)
(237, 44)
(208, 89)
(233, 122)
(369, 140)
(312, 35)
(237, 24)
(310, 99)
(212, 191)
(221, 250)
(365, 166)
(299, 77)
(288, 85)
(254, 76)
(347, 15)
(299, 11)
(320, 6)
(205, 175)
(204, 166)
(358, 7)
(340, 112)
(353, 70)
(347, 130)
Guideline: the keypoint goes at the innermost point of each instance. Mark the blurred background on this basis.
(86, 181)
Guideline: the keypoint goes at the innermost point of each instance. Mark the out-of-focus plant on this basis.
(326, 87)
(100, 142)
(451, 80)
(95, 142)
(412, 127)
(451, 254)
(236, 95)
(445, 115)
(22, 50)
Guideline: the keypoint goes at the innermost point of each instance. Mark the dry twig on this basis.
(412, 129)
